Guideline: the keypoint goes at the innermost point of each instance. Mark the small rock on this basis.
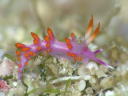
(82, 70)
(2, 94)
(89, 90)
(110, 93)
(81, 85)
(107, 82)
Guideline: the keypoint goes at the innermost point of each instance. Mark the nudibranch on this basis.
(70, 49)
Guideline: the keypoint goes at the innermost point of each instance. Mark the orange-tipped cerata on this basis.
(19, 45)
(50, 34)
(68, 42)
(35, 37)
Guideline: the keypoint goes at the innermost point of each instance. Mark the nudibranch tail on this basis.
(70, 49)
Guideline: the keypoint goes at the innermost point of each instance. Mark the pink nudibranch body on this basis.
(70, 49)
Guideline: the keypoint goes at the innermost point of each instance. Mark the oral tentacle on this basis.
(93, 36)
(89, 28)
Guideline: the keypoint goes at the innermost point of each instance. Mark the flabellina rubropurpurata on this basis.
(70, 49)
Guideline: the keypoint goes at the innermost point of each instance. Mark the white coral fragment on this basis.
(6, 67)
